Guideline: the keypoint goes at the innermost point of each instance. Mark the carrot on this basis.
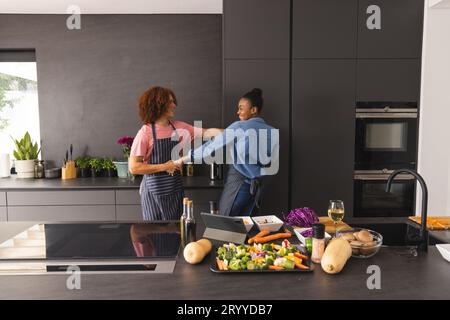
(219, 264)
(272, 237)
(272, 267)
(261, 234)
(301, 256)
(301, 266)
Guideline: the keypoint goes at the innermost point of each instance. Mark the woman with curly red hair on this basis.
(161, 189)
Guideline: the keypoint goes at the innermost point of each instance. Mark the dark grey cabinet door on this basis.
(323, 133)
(324, 28)
(388, 80)
(256, 29)
(272, 76)
(400, 35)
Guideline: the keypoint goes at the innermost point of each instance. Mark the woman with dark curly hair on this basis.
(161, 189)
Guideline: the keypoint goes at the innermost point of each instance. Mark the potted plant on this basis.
(26, 154)
(109, 167)
(96, 165)
(84, 166)
(122, 166)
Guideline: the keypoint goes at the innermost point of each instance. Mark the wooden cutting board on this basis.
(434, 223)
(329, 225)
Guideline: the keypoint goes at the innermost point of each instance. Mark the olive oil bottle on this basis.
(189, 224)
(182, 221)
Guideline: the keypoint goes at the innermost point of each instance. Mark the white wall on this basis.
(434, 136)
(113, 6)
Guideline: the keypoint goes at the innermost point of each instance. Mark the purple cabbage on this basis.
(307, 233)
(301, 217)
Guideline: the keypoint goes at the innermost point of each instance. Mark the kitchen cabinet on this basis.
(129, 213)
(62, 197)
(388, 80)
(256, 29)
(323, 133)
(272, 76)
(62, 213)
(400, 35)
(324, 28)
(2, 198)
(3, 214)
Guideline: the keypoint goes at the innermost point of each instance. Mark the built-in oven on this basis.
(372, 200)
(386, 135)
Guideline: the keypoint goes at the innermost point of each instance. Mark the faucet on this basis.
(422, 239)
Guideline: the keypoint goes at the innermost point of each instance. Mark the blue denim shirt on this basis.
(252, 146)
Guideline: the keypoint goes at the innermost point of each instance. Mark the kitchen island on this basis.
(403, 276)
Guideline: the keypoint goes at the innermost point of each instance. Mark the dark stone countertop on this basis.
(403, 276)
(426, 276)
(15, 184)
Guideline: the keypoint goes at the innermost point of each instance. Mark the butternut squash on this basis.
(195, 252)
(206, 244)
(336, 255)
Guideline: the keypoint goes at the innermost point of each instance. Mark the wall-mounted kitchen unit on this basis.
(315, 60)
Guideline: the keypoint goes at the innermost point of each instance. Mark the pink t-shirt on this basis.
(143, 142)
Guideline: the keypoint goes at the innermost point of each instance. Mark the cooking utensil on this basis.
(52, 173)
(71, 150)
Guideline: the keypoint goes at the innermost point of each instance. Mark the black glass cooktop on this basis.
(93, 240)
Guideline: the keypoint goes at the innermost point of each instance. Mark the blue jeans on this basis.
(244, 202)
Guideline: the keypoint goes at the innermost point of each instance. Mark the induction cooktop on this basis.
(91, 247)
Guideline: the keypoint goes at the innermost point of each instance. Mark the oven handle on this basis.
(367, 177)
(363, 115)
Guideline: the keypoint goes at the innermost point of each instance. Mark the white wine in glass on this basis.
(336, 213)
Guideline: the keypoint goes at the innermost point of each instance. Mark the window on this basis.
(19, 108)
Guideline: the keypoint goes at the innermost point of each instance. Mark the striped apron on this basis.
(162, 194)
(231, 188)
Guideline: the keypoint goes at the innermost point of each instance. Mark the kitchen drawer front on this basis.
(62, 213)
(3, 214)
(2, 198)
(129, 213)
(203, 196)
(55, 198)
(128, 197)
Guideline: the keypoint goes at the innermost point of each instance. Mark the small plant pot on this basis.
(84, 173)
(25, 168)
(97, 173)
(122, 169)
(110, 173)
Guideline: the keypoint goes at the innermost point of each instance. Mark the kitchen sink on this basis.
(395, 234)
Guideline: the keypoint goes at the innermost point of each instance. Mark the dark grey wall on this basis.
(89, 80)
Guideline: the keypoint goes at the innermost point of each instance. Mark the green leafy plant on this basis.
(108, 164)
(25, 149)
(96, 164)
(83, 162)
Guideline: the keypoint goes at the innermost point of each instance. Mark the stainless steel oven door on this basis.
(372, 200)
(385, 138)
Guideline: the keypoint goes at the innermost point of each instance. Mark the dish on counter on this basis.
(365, 243)
(267, 257)
(248, 222)
(444, 249)
(270, 223)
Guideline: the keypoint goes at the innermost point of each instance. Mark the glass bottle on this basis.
(189, 169)
(39, 169)
(189, 224)
(318, 242)
(182, 220)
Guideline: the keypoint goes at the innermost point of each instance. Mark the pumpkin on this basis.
(336, 255)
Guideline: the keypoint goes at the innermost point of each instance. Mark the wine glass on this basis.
(336, 213)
